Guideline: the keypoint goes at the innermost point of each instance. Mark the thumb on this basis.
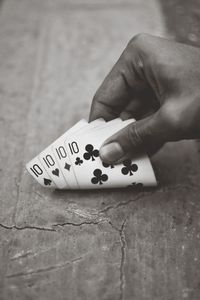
(147, 135)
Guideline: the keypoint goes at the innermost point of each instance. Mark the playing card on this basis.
(43, 175)
(73, 148)
(60, 153)
(100, 126)
(89, 170)
(51, 165)
(73, 161)
(36, 169)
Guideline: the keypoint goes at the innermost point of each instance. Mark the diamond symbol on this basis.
(67, 166)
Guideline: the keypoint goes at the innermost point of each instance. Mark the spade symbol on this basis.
(55, 172)
(47, 181)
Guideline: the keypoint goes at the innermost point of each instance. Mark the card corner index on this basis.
(37, 171)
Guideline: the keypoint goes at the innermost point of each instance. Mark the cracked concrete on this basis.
(123, 257)
(25, 227)
(50, 268)
(99, 245)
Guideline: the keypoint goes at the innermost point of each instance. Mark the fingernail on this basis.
(111, 152)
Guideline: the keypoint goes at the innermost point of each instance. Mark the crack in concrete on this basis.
(85, 213)
(50, 268)
(123, 256)
(100, 219)
(54, 225)
(22, 255)
(144, 195)
(79, 224)
(39, 195)
(124, 203)
(25, 227)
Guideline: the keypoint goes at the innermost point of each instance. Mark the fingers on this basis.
(112, 96)
(120, 86)
(132, 110)
(147, 135)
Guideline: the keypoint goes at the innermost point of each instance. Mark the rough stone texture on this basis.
(112, 244)
(49, 265)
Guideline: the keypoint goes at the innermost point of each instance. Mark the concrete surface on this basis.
(103, 245)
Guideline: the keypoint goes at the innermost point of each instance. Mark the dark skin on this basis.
(157, 82)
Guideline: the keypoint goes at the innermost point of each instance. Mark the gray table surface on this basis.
(112, 244)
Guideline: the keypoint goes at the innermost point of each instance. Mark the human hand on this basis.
(156, 81)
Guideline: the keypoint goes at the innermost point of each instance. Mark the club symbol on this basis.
(47, 181)
(99, 177)
(136, 186)
(129, 167)
(78, 161)
(56, 172)
(91, 152)
(107, 165)
(67, 166)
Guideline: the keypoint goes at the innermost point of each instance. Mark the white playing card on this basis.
(51, 168)
(51, 165)
(72, 161)
(36, 169)
(60, 153)
(92, 173)
(73, 147)
(100, 126)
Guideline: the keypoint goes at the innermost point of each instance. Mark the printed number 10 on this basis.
(36, 170)
(73, 147)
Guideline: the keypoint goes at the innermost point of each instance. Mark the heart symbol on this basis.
(55, 172)
(47, 181)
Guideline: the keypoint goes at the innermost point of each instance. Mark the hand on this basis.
(156, 81)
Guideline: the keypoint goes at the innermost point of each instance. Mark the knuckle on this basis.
(134, 137)
(138, 39)
(172, 119)
(128, 56)
(136, 46)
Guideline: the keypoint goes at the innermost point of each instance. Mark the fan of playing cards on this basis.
(73, 162)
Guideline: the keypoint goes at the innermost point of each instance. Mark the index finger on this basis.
(118, 88)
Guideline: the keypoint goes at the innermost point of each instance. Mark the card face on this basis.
(91, 172)
(99, 126)
(61, 155)
(83, 154)
(36, 169)
(51, 165)
(73, 162)
(72, 147)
